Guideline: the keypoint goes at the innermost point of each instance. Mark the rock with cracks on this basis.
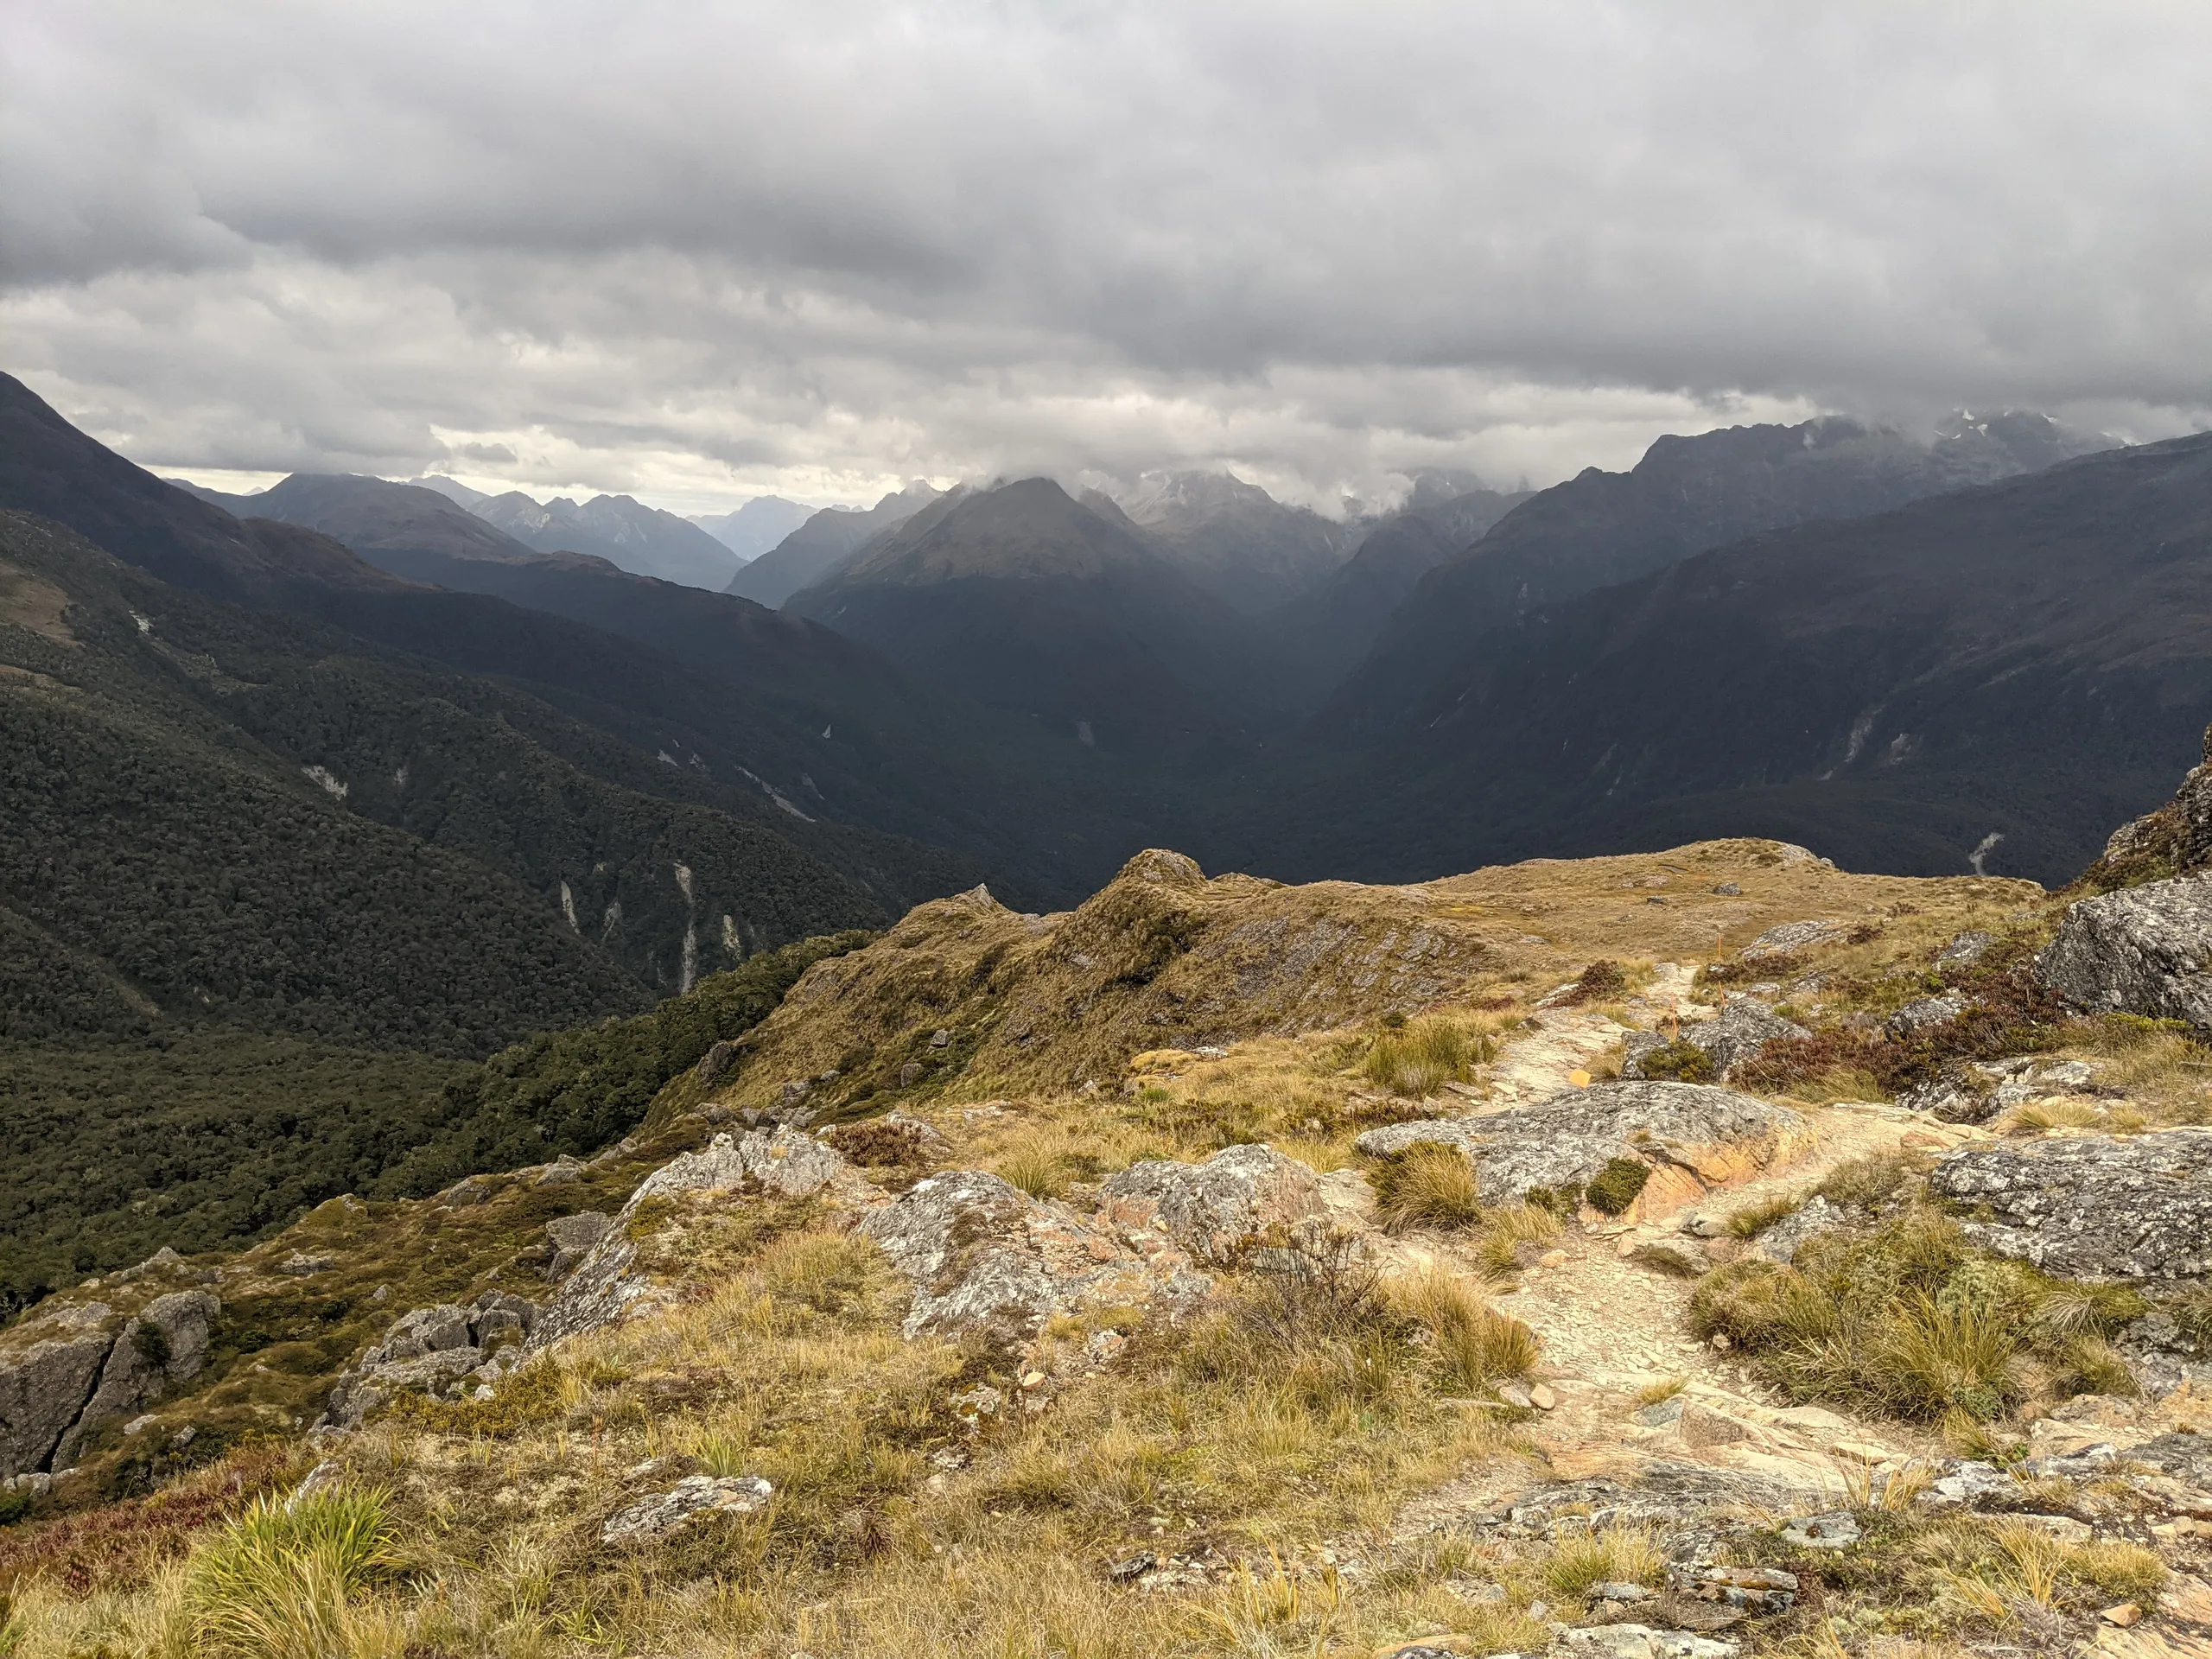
(45, 1382)
(2140, 950)
(987, 1259)
(2095, 1206)
(1219, 1209)
(656, 1516)
(166, 1344)
(607, 1285)
(1693, 1135)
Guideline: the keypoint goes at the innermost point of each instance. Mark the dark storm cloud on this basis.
(689, 249)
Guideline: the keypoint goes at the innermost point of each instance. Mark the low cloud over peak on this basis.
(693, 255)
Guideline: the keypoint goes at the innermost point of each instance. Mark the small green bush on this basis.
(1680, 1061)
(1617, 1185)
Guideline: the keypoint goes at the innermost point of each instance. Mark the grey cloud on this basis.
(684, 251)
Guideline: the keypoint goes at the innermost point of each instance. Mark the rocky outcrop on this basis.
(165, 1344)
(986, 1258)
(2095, 1206)
(1790, 937)
(2140, 950)
(1693, 1136)
(1743, 1028)
(44, 1381)
(573, 1237)
(67, 1372)
(607, 1285)
(1974, 1092)
(441, 1350)
(1219, 1209)
(2174, 840)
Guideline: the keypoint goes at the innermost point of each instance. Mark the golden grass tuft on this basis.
(1428, 1187)
(279, 1582)
(1475, 1346)
(1427, 1053)
(1617, 1554)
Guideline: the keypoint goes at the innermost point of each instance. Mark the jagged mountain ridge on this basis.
(1033, 602)
(757, 526)
(817, 548)
(620, 529)
(1234, 539)
(1685, 496)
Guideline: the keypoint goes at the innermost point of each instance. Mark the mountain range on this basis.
(826, 541)
(758, 526)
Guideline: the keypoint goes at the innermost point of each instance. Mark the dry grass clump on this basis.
(1617, 1554)
(1994, 1574)
(1755, 1218)
(280, 1581)
(1428, 1185)
(1511, 1230)
(1475, 1346)
(1911, 1320)
(1421, 1057)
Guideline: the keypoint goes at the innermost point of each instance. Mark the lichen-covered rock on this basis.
(2092, 1206)
(2140, 950)
(1743, 1028)
(573, 1237)
(1219, 1209)
(1790, 936)
(1958, 1093)
(605, 1285)
(1924, 1012)
(165, 1344)
(46, 1380)
(1705, 1135)
(1965, 950)
(656, 1516)
(986, 1258)
(431, 1351)
(1781, 1241)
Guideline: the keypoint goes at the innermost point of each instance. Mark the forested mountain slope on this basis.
(2010, 670)
(216, 814)
(1687, 495)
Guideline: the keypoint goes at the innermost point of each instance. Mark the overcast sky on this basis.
(697, 252)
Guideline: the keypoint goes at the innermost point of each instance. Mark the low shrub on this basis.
(1680, 1061)
(1510, 1229)
(1617, 1185)
(1601, 982)
(1910, 1319)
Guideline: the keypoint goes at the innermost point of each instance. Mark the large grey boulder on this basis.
(165, 1344)
(1218, 1209)
(963, 1239)
(984, 1258)
(1715, 1133)
(2092, 1206)
(1743, 1028)
(2139, 951)
(607, 1284)
(44, 1381)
